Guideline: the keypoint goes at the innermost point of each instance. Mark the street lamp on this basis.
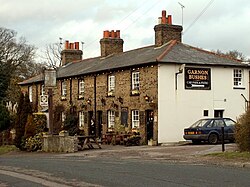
(50, 83)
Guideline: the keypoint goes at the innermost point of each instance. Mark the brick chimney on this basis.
(71, 52)
(111, 43)
(165, 31)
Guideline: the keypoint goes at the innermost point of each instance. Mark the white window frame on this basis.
(42, 89)
(63, 116)
(111, 119)
(30, 93)
(238, 75)
(135, 118)
(81, 119)
(111, 83)
(64, 88)
(135, 80)
(81, 86)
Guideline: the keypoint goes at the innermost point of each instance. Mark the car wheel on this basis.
(213, 138)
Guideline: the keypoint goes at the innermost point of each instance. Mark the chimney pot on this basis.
(159, 20)
(164, 13)
(71, 45)
(169, 19)
(118, 34)
(77, 45)
(66, 44)
(105, 34)
(112, 34)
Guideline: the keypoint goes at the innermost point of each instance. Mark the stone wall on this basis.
(59, 143)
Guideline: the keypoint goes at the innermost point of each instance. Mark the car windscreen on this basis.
(199, 123)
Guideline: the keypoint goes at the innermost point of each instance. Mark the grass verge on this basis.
(7, 148)
(232, 155)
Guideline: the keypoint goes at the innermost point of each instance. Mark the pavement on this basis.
(172, 152)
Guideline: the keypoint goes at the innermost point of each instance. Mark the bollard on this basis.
(222, 139)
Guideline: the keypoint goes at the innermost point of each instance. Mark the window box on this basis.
(135, 92)
(80, 97)
(63, 98)
(111, 93)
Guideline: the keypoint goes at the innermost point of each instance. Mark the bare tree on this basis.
(232, 54)
(52, 55)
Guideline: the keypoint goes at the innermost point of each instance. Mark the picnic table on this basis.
(88, 141)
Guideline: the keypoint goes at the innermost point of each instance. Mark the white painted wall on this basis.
(180, 108)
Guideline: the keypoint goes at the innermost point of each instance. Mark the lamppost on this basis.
(50, 84)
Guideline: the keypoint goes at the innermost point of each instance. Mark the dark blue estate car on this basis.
(210, 130)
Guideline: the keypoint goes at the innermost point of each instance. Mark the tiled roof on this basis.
(172, 52)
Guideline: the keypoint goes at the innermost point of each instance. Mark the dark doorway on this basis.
(91, 123)
(150, 123)
(218, 113)
(99, 123)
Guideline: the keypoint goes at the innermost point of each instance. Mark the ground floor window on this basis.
(81, 119)
(111, 119)
(135, 119)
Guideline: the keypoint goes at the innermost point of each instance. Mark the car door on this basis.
(229, 128)
(218, 123)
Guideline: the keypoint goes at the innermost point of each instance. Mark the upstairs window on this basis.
(135, 119)
(111, 83)
(81, 119)
(111, 119)
(238, 77)
(64, 88)
(81, 90)
(30, 93)
(135, 81)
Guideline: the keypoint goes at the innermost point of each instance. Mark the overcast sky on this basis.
(208, 24)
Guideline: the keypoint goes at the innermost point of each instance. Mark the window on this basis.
(30, 93)
(135, 81)
(205, 113)
(111, 83)
(81, 119)
(63, 117)
(64, 88)
(135, 119)
(111, 119)
(238, 77)
(42, 89)
(81, 86)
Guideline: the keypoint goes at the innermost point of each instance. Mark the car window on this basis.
(229, 122)
(218, 123)
(199, 123)
(210, 124)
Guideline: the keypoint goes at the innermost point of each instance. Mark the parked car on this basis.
(210, 130)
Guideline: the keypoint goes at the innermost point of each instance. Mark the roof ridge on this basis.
(213, 53)
(171, 43)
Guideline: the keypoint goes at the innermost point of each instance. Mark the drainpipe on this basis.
(96, 126)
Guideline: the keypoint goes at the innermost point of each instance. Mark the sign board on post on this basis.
(197, 78)
(44, 100)
(50, 78)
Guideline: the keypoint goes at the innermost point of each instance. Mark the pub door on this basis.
(149, 124)
(91, 123)
(99, 123)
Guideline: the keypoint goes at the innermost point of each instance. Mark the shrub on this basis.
(242, 132)
(30, 128)
(33, 143)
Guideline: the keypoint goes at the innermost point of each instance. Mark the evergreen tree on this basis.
(4, 118)
(71, 121)
(23, 110)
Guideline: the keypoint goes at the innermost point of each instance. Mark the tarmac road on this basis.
(122, 166)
